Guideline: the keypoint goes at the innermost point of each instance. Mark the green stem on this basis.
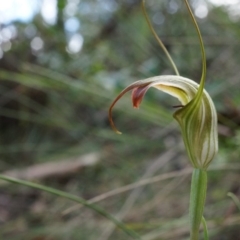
(197, 200)
(72, 198)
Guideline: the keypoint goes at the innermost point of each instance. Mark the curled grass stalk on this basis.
(158, 39)
(235, 199)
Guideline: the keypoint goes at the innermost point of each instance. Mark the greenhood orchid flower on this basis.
(197, 119)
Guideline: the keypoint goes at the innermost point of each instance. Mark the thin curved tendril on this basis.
(203, 77)
(158, 39)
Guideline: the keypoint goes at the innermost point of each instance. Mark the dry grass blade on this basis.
(158, 178)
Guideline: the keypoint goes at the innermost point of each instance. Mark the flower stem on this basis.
(197, 200)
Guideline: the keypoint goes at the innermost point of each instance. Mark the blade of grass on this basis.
(72, 198)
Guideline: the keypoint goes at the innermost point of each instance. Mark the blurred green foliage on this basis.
(57, 82)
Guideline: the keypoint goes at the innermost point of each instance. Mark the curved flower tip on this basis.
(197, 117)
(139, 89)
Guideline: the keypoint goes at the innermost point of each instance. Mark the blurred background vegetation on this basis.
(59, 72)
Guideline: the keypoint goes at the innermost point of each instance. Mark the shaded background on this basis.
(62, 63)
